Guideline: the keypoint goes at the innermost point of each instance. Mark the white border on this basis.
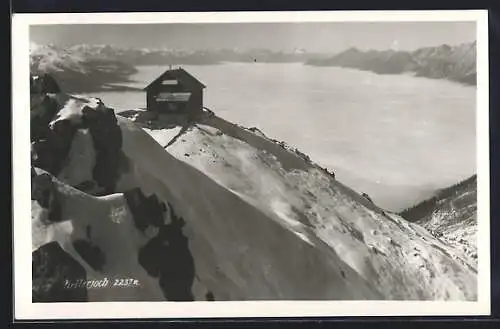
(24, 309)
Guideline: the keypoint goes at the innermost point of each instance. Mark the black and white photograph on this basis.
(202, 161)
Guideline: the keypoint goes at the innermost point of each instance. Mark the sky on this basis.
(313, 37)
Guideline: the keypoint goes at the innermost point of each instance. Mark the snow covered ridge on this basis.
(451, 215)
(209, 210)
(310, 203)
(77, 71)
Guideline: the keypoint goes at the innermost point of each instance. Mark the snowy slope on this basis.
(261, 222)
(306, 199)
(451, 215)
(231, 241)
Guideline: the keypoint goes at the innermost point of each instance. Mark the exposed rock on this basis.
(50, 140)
(43, 84)
(146, 210)
(52, 136)
(107, 138)
(53, 269)
(168, 257)
(44, 192)
(366, 196)
(90, 253)
(41, 114)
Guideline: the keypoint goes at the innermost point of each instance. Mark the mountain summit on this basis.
(127, 209)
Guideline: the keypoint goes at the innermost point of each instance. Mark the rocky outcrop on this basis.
(367, 197)
(53, 271)
(102, 125)
(43, 84)
(54, 123)
(167, 257)
(147, 211)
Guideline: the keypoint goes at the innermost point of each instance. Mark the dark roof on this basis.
(178, 74)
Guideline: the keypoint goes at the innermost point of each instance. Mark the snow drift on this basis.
(222, 213)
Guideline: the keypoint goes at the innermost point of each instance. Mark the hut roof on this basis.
(178, 74)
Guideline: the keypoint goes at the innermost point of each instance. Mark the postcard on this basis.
(251, 164)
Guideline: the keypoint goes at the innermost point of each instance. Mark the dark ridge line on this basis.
(423, 208)
(183, 130)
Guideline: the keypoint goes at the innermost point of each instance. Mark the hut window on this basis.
(173, 106)
(169, 82)
(173, 97)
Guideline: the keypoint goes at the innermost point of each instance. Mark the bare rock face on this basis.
(107, 138)
(167, 256)
(43, 192)
(42, 84)
(54, 271)
(54, 123)
(146, 210)
(49, 143)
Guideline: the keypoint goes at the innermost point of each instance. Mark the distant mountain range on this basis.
(76, 71)
(456, 63)
(102, 67)
(166, 56)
